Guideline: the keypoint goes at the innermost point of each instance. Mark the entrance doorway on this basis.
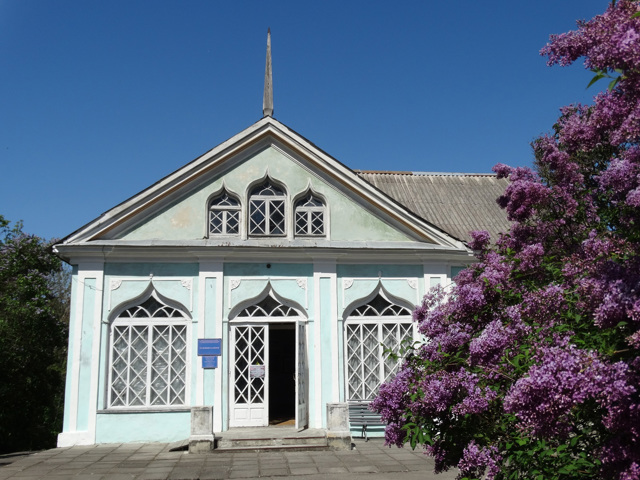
(282, 374)
(268, 367)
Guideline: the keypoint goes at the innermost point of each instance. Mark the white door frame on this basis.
(257, 414)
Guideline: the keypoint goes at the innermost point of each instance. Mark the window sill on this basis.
(110, 411)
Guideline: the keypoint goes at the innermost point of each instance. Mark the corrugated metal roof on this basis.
(457, 203)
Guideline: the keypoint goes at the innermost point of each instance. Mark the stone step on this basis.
(270, 443)
(273, 448)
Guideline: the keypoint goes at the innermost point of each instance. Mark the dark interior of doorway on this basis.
(282, 372)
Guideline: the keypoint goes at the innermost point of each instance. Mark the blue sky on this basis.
(100, 99)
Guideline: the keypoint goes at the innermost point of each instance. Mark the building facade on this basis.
(297, 269)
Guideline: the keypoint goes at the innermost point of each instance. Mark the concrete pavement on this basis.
(369, 460)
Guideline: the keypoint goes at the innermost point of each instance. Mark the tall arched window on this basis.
(267, 210)
(309, 216)
(148, 364)
(370, 329)
(224, 215)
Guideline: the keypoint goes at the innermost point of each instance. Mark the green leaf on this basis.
(597, 77)
(613, 83)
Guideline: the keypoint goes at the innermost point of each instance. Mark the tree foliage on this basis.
(34, 293)
(532, 368)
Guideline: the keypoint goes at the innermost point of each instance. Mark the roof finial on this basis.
(267, 100)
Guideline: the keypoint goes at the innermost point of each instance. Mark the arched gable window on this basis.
(148, 364)
(267, 210)
(224, 215)
(309, 216)
(370, 329)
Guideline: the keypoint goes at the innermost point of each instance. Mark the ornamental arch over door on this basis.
(372, 326)
(266, 332)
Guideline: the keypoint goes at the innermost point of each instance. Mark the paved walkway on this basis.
(369, 460)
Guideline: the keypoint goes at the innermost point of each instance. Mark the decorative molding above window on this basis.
(224, 215)
(267, 213)
(310, 216)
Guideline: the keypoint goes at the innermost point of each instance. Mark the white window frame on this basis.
(225, 208)
(366, 316)
(270, 202)
(150, 323)
(306, 213)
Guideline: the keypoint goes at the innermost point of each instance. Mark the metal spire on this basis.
(267, 100)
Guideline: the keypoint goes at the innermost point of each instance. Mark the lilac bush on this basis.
(531, 363)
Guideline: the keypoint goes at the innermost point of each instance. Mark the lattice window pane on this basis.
(317, 223)
(301, 223)
(371, 360)
(363, 365)
(178, 365)
(160, 364)
(393, 335)
(258, 223)
(148, 362)
(137, 390)
(233, 222)
(216, 222)
(119, 366)
(276, 217)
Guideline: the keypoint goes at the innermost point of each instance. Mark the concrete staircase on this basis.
(271, 439)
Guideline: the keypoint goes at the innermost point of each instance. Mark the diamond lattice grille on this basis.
(368, 333)
(249, 350)
(276, 217)
(148, 360)
(392, 338)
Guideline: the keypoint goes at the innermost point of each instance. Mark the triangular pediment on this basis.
(175, 210)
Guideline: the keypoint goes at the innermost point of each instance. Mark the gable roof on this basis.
(266, 132)
(457, 203)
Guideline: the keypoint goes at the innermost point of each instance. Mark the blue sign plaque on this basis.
(209, 346)
(209, 361)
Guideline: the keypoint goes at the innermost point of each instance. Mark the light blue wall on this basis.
(186, 217)
(170, 426)
(73, 319)
(86, 355)
(143, 427)
(209, 317)
(157, 269)
(327, 323)
(157, 426)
